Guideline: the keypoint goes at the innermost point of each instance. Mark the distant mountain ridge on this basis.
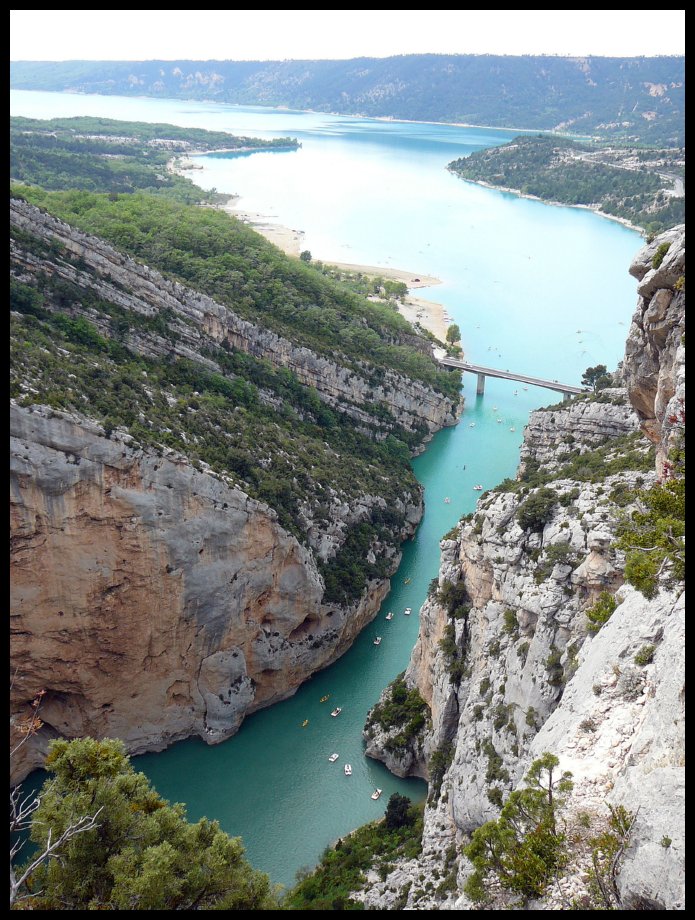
(639, 99)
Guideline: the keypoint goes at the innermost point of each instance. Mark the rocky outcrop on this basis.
(520, 673)
(350, 387)
(553, 434)
(152, 601)
(654, 365)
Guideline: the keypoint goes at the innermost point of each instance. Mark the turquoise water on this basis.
(537, 289)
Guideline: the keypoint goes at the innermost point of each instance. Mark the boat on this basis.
(472, 425)
(333, 758)
(447, 500)
(407, 581)
(336, 711)
(478, 488)
(377, 640)
(494, 408)
(376, 793)
(348, 769)
(408, 611)
(389, 615)
(499, 421)
(324, 698)
(305, 723)
(512, 428)
(524, 388)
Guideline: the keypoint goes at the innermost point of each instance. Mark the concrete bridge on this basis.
(566, 389)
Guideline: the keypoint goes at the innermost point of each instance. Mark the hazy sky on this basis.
(279, 34)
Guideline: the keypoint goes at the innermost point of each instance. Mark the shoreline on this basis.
(429, 314)
(594, 208)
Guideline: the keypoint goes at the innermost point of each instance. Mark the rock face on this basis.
(553, 433)
(141, 289)
(520, 674)
(149, 600)
(654, 365)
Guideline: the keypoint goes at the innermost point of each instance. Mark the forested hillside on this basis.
(642, 187)
(641, 99)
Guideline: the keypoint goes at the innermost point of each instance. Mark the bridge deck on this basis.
(509, 375)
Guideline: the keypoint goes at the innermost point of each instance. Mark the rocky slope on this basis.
(152, 597)
(199, 319)
(507, 662)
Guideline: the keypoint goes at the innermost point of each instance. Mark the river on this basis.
(535, 288)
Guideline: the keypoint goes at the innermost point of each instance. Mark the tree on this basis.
(305, 255)
(523, 848)
(597, 377)
(398, 812)
(143, 854)
(453, 334)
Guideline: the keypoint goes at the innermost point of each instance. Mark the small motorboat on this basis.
(478, 488)
(512, 428)
(472, 425)
(407, 581)
(336, 711)
(324, 698)
(377, 640)
(333, 758)
(348, 769)
(376, 793)
(305, 723)
(524, 388)
(408, 611)
(389, 615)
(494, 408)
(499, 421)
(447, 500)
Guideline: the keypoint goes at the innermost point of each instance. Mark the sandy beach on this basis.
(429, 314)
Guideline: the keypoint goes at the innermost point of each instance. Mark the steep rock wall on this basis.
(654, 366)
(152, 601)
(139, 288)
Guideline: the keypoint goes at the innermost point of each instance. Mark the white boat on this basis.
(333, 758)
(472, 425)
(494, 408)
(348, 769)
(377, 641)
(376, 793)
(512, 428)
(389, 615)
(408, 611)
(478, 488)
(447, 500)
(336, 711)
(499, 421)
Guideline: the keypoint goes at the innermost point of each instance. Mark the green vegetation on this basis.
(142, 855)
(120, 157)
(523, 848)
(537, 510)
(439, 763)
(454, 655)
(402, 709)
(591, 95)
(454, 598)
(645, 655)
(653, 537)
(557, 169)
(601, 611)
(216, 254)
(597, 378)
(453, 334)
(660, 253)
(607, 850)
(342, 869)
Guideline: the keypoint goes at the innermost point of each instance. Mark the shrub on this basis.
(511, 624)
(601, 611)
(659, 255)
(439, 763)
(537, 510)
(645, 655)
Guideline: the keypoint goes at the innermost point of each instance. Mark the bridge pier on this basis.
(481, 385)
(566, 397)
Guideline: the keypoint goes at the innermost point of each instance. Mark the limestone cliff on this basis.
(153, 597)
(349, 387)
(152, 601)
(507, 662)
